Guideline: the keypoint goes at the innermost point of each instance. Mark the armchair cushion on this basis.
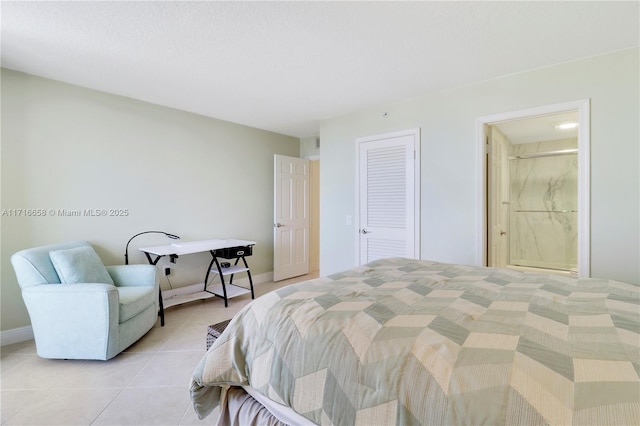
(135, 299)
(79, 265)
(133, 275)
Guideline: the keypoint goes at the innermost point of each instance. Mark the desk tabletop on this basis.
(189, 247)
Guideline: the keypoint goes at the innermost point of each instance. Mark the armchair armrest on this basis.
(133, 275)
(79, 316)
(72, 300)
(50, 289)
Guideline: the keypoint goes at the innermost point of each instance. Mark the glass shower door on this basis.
(543, 211)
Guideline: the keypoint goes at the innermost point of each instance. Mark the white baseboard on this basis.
(16, 335)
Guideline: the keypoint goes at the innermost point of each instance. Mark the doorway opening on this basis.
(535, 189)
(314, 215)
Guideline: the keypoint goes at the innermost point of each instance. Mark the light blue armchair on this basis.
(81, 309)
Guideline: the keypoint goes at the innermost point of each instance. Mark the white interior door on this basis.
(389, 196)
(290, 217)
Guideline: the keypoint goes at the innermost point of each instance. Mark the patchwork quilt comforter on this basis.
(403, 341)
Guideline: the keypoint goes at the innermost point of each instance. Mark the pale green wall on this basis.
(308, 147)
(66, 147)
(449, 164)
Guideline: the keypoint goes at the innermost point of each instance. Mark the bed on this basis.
(415, 342)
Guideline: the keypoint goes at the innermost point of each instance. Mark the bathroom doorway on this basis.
(535, 185)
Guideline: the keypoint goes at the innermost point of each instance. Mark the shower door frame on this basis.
(582, 107)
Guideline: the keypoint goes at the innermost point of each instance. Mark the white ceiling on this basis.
(284, 66)
(540, 128)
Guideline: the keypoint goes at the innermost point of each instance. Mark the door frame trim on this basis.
(583, 107)
(415, 132)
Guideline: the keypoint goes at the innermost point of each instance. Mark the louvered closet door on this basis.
(388, 196)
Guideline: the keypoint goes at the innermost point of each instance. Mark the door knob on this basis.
(364, 231)
(502, 233)
(278, 225)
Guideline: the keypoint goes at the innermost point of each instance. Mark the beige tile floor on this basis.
(147, 384)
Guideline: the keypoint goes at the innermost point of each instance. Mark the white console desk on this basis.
(219, 248)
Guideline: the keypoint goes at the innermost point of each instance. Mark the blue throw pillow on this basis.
(79, 265)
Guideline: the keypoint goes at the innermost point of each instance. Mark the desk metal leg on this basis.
(214, 259)
(248, 271)
(161, 303)
(206, 277)
(161, 311)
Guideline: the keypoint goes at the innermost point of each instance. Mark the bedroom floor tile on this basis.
(72, 407)
(162, 406)
(154, 340)
(117, 373)
(188, 338)
(147, 384)
(168, 369)
(38, 373)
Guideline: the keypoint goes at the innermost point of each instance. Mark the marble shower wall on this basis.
(543, 207)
